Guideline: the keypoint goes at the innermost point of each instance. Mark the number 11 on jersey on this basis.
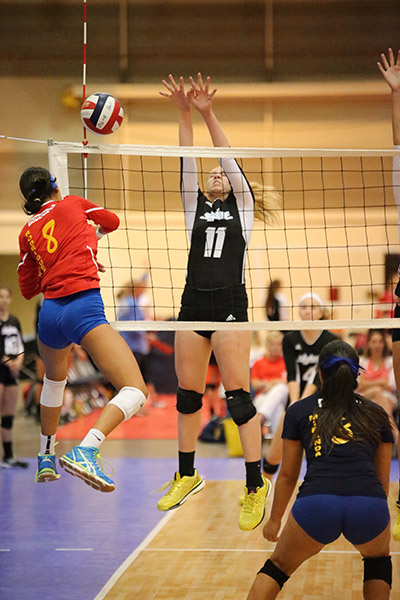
(215, 237)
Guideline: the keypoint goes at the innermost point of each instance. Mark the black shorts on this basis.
(224, 305)
(5, 376)
(396, 332)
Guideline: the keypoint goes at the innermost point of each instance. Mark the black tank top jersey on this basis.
(301, 359)
(11, 344)
(347, 469)
(219, 231)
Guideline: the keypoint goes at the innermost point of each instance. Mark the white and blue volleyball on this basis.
(102, 113)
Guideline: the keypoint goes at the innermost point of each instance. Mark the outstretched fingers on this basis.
(171, 86)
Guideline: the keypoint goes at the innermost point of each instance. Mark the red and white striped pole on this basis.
(84, 141)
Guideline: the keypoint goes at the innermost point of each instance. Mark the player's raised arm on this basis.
(390, 70)
(179, 98)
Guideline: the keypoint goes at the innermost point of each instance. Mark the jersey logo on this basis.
(47, 232)
(297, 347)
(218, 215)
(231, 318)
(339, 441)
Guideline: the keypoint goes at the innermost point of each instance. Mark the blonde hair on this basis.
(267, 203)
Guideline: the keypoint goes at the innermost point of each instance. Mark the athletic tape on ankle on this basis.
(130, 400)
(52, 392)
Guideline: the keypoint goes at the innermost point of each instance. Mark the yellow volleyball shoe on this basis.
(180, 490)
(253, 509)
(396, 528)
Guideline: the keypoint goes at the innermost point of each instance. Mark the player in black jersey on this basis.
(391, 72)
(11, 361)
(347, 440)
(219, 223)
(300, 351)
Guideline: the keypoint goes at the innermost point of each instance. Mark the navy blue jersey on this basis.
(347, 469)
(219, 231)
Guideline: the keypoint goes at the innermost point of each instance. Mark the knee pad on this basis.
(240, 406)
(52, 392)
(268, 468)
(378, 568)
(275, 572)
(129, 400)
(188, 401)
(7, 422)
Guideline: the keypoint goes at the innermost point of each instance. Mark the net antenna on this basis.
(84, 141)
(331, 237)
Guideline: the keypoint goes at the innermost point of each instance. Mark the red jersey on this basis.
(266, 369)
(58, 248)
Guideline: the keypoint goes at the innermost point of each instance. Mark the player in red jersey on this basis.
(58, 249)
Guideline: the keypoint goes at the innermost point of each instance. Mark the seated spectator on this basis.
(268, 382)
(377, 381)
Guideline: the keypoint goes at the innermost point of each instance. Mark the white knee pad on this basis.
(130, 400)
(52, 392)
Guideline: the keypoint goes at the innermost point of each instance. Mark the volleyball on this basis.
(102, 113)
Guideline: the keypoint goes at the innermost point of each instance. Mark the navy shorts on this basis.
(325, 516)
(68, 319)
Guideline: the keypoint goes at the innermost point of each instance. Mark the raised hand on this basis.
(391, 70)
(177, 94)
(199, 94)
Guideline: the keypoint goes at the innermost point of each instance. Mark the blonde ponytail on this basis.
(267, 203)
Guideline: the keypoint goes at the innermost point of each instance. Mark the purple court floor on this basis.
(63, 540)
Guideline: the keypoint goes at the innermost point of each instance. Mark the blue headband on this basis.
(53, 182)
(331, 361)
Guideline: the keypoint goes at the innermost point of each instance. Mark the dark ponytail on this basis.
(339, 366)
(36, 185)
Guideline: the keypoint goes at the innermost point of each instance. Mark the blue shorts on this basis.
(325, 516)
(68, 319)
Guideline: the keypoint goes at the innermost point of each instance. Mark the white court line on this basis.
(74, 549)
(5, 549)
(132, 557)
(243, 550)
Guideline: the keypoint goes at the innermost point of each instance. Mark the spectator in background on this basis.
(12, 358)
(377, 381)
(131, 309)
(276, 305)
(268, 382)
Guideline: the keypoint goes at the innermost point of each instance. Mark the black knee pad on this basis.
(240, 406)
(275, 572)
(378, 568)
(188, 401)
(7, 422)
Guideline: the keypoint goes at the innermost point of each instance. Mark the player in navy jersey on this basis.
(58, 250)
(300, 351)
(347, 440)
(391, 72)
(219, 223)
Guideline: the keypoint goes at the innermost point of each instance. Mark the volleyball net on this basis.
(335, 234)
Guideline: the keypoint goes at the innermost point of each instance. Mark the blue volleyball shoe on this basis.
(86, 463)
(46, 470)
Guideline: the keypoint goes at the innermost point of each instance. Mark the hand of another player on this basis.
(101, 268)
(199, 94)
(391, 70)
(177, 94)
(271, 530)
